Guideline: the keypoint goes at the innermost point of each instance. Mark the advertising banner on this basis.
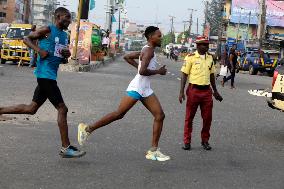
(244, 33)
(247, 12)
(84, 43)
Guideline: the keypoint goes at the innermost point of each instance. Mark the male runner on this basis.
(138, 90)
(52, 50)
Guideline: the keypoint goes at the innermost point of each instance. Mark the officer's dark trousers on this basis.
(196, 98)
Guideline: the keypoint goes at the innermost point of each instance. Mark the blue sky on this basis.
(146, 12)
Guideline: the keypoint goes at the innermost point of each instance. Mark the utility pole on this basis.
(85, 10)
(108, 9)
(261, 22)
(197, 26)
(75, 49)
(109, 14)
(206, 16)
(220, 31)
(32, 12)
(184, 30)
(172, 28)
(190, 24)
(184, 25)
(158, 23)
(156, 17)
(119, 28)
(248, 25)
(238, 32)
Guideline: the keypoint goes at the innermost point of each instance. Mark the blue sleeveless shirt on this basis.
(47, 68)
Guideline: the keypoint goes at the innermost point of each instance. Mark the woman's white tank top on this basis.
(141, 84)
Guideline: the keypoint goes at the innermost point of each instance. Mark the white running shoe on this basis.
(82, 134)
(157, 156)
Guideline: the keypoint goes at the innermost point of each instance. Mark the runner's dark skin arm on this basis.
(36, 35)
(146, 56)
(131, 58)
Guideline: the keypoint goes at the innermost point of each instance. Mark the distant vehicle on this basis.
(273, 54)
(13, 48)
(136, 45)
(184, 49)
(277, 99)
(175, 54)
(212, 51)
(253, 62)
(191, 50)
(179, 46)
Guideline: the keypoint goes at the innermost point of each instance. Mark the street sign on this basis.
(92, 4)
(118, 32)
(231, 42)
(113, 19)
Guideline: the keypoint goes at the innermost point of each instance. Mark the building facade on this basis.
(241, 18)
(43, 12)
(15, 11)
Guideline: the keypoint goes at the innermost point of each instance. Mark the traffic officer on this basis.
(199, 70)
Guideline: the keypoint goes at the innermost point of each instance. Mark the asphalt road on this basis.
(247, 136)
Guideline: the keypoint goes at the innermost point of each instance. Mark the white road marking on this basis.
(179, 79)
(1, 66)
(169, 72)
(173, 74)
(260, 93)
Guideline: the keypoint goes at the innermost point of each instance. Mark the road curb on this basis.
(94, 65)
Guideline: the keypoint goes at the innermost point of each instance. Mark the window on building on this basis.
(2, 14)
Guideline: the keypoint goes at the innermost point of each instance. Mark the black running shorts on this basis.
(47, 89)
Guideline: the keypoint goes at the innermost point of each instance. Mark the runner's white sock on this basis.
(153, 149)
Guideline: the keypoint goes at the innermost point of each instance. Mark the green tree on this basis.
(186, 34)
(214, 16)
(167, 39)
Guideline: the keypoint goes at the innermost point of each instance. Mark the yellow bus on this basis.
(13, 47)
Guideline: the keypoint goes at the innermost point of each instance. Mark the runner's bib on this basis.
(58, 50)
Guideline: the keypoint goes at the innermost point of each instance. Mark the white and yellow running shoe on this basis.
(157, 156)
(82, 134)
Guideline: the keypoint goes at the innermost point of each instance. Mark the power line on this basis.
(275, 5)
(172, 28)
(262, 21)
(190, 24)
